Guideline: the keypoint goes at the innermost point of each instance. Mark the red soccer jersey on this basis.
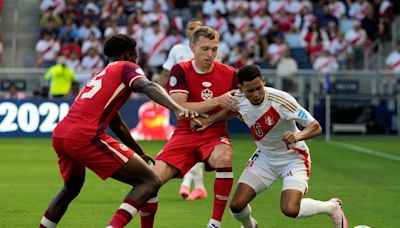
(200, 87)
(99, 101)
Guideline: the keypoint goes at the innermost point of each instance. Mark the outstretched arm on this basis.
(222, 115)
(311, 131)
(119, 127)
(158, 94)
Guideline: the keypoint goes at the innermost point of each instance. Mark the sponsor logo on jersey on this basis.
(269, 120)
(123, 147)
(206, 94)
(173, 81)
(302, 115)
(206, 84)
(139, 71)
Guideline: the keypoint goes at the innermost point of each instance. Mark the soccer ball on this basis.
(362, 226)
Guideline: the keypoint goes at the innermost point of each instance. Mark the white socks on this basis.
(244, 217)
(310, 207)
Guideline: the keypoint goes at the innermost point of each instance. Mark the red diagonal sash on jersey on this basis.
(94, 65)
(264, 124)
(395, 65)
(263, 24)
(243, 26)
(49, 47)
(327, 63)
(155, 47)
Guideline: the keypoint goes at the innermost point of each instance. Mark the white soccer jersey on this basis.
(393, 60)
(268, 121)
(178, 53)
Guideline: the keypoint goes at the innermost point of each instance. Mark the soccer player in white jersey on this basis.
(281, 152)
(180, 53)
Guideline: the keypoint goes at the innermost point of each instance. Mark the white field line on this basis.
(364, 150)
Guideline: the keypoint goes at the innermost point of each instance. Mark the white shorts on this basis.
(262, 171)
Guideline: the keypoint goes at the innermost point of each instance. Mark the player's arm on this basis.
(312, 130)
(158, 94)
(119, 127)
(163, 78)
(222, 115)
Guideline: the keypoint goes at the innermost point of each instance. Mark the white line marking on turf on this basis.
(366, 151)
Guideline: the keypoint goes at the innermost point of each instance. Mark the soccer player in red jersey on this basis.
(202, 85)
(80, 139)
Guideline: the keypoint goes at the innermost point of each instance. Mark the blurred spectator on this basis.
(92, 10)
(50, 27)
(257, 6)
(327, 17)
(276, 49)
(74, 62)
(262, 21)
(337, 8)
(210, 7)
(112, 29)
(218, 22)
(13, 93)
(232, 37)
(87, 27)
(342, 50)
(92, 60)
(47, 50)
(286, 68)
(155, 47)
(332, 30)
(303, 20)
(326, 63)
(241, 21)
(49, 17)
(57, 6)
(71, 47)
(276, 7)
(148, 5)
(69, 31)
(372, 25)
(112, 9)
(156, 15)
(357, 37)
(313, 40)
(393, 60)
(244, 58)
(61, 78)
(358, 9)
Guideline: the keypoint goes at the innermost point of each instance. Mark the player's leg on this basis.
(199, 191)
(184, 190)
(73, 174)
(221, 160)
(293, 205)
(164, 172)
(145, 184)
(240, 207)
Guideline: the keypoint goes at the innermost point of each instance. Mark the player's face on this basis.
(254, 90)
(191, 26)
(204, 51)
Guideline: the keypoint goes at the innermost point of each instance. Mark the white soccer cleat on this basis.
(254, 224)
(337, 216)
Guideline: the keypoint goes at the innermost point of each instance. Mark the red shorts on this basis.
(103, 155)
(183, 151)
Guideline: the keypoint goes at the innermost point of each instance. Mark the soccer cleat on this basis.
(337, 216)
(253, 222)
(197, 193)
(184, 191)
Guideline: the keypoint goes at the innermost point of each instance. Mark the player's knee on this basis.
(290, 210)
(153, 185)
(225, 160)
(236, 206)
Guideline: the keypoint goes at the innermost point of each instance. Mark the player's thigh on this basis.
(69, 166)
(296, 176)
(217, 151)
(258, 174)
(135, 171)
(180, 153)
(103, 155)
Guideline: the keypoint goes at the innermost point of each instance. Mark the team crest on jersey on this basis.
(206, 84)
(269, 120)
(123, 147)
(139, 71)
(173, 81)
(206, 94)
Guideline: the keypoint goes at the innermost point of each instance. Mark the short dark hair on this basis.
(117, 45)
(204, 31)
(248, 73)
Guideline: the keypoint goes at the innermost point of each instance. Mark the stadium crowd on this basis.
(283, 34)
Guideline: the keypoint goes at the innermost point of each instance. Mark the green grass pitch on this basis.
(367, 179)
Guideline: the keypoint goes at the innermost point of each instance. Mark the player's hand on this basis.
(184, 113)
(227, 100)
(199, 123)
(147, 158)
(290, 137)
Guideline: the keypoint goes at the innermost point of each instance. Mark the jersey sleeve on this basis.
(130, 72)
(298, 113)
(170, 60)
(177, 80)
